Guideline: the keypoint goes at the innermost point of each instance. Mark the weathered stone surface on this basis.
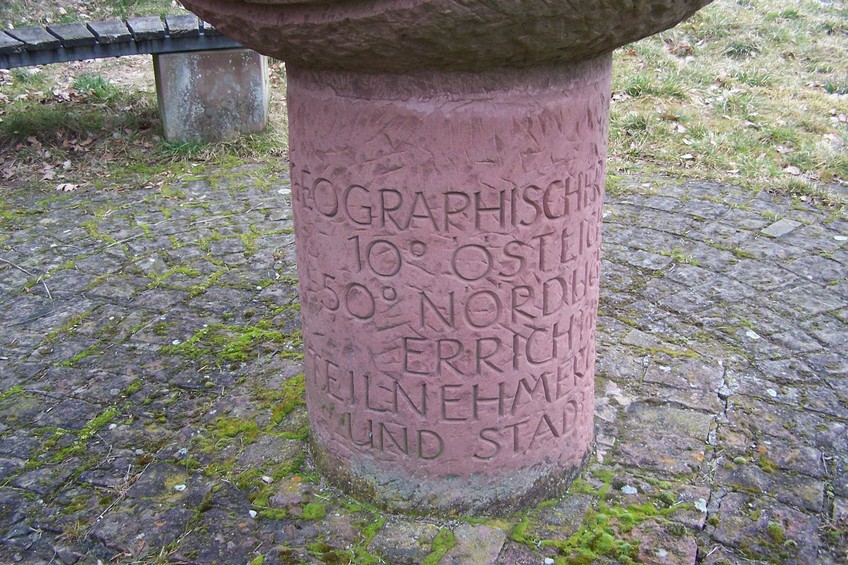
(761, 527)
(657, 545)
(115, 433)
(404, 541)
(803, 492)
(563, 519)
(438, 34)
(782, 227)
(475, 545)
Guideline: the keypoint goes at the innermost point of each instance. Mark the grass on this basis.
(34, 12)
(748, 90)
(73, 123)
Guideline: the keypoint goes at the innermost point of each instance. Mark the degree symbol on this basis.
(418, 248)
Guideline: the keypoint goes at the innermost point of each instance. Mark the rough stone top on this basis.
(401, 35)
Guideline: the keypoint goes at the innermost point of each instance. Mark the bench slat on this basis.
(9, 44)
(110, 31)
(182, 26)
(35, 38)
(73, 35)
(111, 38)
(99, 50)
(147, 27)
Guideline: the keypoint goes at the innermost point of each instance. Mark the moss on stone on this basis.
(441, 544)
(314, 511)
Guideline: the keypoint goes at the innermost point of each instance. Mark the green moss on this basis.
(69, 326)
(442, 543)
(583, 487)
(776, 532)
(247, 430)
(713, 520)
(679, 256)
(235, 343)
(91, 227)
(369, 531)
(199, 289)
(359, 553)
(605, 528)
(78, 445)
(249, 240)
(273, 513)
(677, 530)
(157, 279)
(11, 391)
(598, 537)
(148, 233)
(258, 560)
(666, 498)
(80, 502)
(87, 352)
(676, 353)
(314, 511)
(766, 464)
(288, 397)
(328, 554)
(98, 422)
(519, 532)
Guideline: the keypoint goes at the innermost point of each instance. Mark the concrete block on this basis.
(212, 95)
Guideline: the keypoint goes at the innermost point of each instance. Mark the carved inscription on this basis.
(450, 211)
(448, 256)
(483, 304)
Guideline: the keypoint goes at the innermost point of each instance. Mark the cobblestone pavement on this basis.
(151, 390)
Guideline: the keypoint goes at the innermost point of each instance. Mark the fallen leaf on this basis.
(792, 170)
(67, 187)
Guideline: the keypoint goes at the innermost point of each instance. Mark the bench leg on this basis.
(212, 95)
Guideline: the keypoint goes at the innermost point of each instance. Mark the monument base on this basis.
(475, 494)
(448, 248)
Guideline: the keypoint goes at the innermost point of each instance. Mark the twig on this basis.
(123, 241)
(47, 290)
(122, 492)
(18, 267)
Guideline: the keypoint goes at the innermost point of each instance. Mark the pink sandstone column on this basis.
(448, 236)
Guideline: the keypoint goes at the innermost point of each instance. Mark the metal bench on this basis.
(209, 87)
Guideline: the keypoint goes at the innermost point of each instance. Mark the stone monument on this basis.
(447, 165)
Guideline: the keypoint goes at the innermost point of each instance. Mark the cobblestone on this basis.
(151, 391)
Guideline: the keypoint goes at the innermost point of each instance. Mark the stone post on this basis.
(447, 165)
(212, 95)
(448, 236)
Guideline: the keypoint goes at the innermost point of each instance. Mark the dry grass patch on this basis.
(753, 92)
